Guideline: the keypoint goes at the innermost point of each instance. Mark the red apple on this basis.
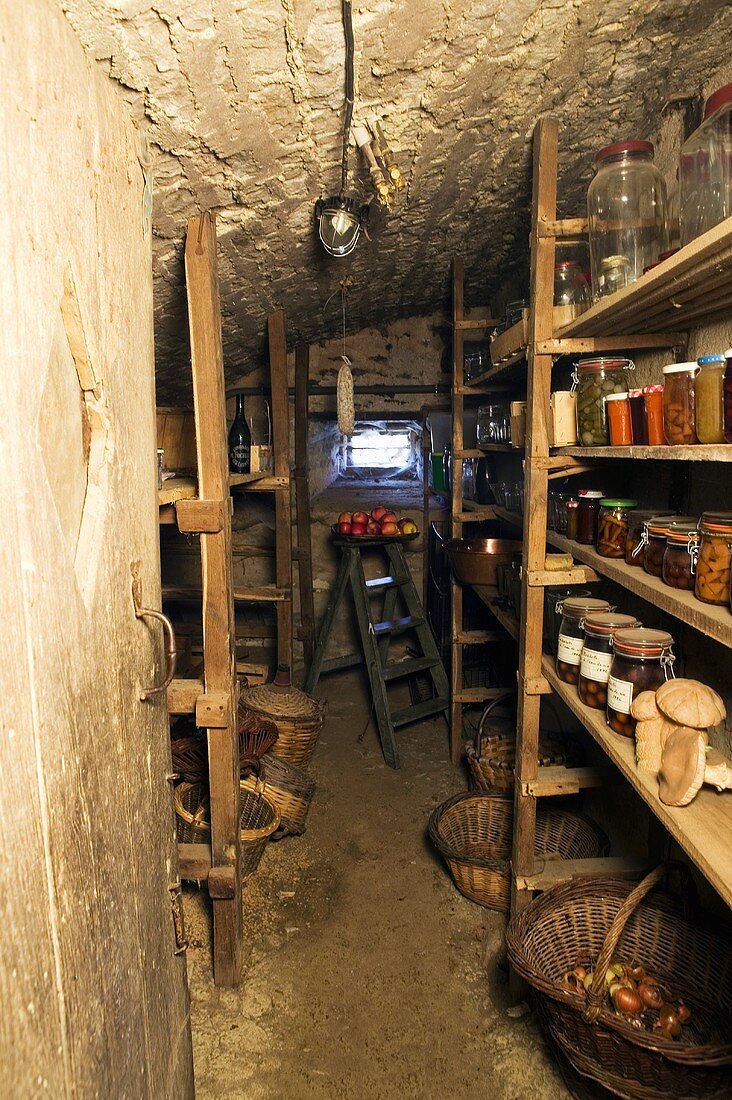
(345, 517)
(388, 517)
(378, 513)
(344, 528)
(389, 529)
(373, 528)
(358, 528)
(360, 517)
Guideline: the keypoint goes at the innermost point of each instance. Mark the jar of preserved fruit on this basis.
(679, 559)
(728, 397)
(619, 423)
(572, 634)
(655, 533)
(678, 404)
(709, 399)
(635, 543)
(715, 555)
(589, 506)
(653, 402)
(572, 507)
(613, 525)
(638, 423)
(627, 213)
(642, 661)
(597, 655)
(595, 379)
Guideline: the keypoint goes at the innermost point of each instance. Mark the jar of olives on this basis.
(612, 527)
(715, 556)
(595, 379)
(597, 655)
(572, 634)
(642, 661)
(679, 559)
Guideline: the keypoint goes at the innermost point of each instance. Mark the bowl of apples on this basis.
(378, 525)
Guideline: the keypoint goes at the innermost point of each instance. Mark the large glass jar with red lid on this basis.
(679, 406)
(597, 655)
(588, 506)
(680, 556)
(613, 525)
(596, 379)
(705, 170)
(572, 634)
(715, 558)
(642, 661)
(627, 212)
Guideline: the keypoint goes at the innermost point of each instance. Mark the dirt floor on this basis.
(368, 976)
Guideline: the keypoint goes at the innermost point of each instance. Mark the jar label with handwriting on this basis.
(569, 650)
(619, 694)
(595, 665)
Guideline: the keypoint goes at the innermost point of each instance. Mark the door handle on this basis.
(171, 653)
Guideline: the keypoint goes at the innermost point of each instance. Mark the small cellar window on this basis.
(384, 447)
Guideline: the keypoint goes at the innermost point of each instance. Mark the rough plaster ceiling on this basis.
(242, 102)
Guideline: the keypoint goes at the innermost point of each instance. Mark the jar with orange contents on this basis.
(642, 661)
(713, 567)
(679, 416)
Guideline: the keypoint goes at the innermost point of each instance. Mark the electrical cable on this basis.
(348, 33)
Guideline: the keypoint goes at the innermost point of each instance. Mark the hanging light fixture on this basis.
(340, 218)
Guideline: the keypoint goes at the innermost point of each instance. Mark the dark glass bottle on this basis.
(240, 440)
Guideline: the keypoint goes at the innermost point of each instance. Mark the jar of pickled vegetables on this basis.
(715, 555)
(597, 655)
(595, 379)
(613, 525)
(679, 404)
(709, 399)
(589, 506)
(572, 634)
(679, 559)
(642, 661)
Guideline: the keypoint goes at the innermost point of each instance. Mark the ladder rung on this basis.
(556, 871)
(554, 779)
(408, 667)
(477, 695)
(418, 710)
(376, 584)
(336, 664)
(398, 626)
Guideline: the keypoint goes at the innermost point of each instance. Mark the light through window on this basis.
(381, 447)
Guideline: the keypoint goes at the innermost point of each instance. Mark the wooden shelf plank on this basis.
(556, 871)
(704, 452)
(477, 694)
(265, 594)
(259, 483)
(697, 828)
(247, 479)
(501, 448)
(715, 622)
(177, 488)
(476, 323)
(489, 595)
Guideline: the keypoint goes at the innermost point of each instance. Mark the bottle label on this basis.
(619, 694)
(239, 456)
(569, 650)
(595, 665)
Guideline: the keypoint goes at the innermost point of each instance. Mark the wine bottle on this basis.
(240, 440)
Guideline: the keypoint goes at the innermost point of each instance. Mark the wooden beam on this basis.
(302, 503)
(194, 861)
(555, 779)
(458, 445)
(556, 871)
(182, 695)
(200, 516)
(204, 320)
(283, 516)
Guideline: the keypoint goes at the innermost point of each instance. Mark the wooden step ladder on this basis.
(375, 638)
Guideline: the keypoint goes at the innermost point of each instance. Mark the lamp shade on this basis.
(339, 221)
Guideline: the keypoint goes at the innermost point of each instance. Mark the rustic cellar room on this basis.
(365, 450)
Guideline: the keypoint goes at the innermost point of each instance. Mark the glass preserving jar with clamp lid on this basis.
(597, 655)
(594, 379)
(642, 661)
(572, 635)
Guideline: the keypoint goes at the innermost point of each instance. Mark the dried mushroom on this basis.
(717, 771)
(691, 703)
(682, 767)
(644, 706)
(651, 732)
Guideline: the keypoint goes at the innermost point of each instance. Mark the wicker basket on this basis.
(190, 754)
(259, 818)
(257, 735)
(610, 919)
(491, 756)
(289, 788)
(297, 716)
(473, 834)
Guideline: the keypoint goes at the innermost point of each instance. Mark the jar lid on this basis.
(633, 393)
(653, 389)
(607, 622)
(677, 368)
(590, 494)
(718, 99)
(612, 502)
(610, 263)
(642, 641)
(603, 362)
(617, 397)
(716, 522)
(619, 147)
(576, 607)
(661, 525)
(683, 533)
(716, 358)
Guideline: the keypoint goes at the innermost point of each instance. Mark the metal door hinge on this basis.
(179, 924)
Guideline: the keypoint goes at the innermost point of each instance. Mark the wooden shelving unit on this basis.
(694, 285)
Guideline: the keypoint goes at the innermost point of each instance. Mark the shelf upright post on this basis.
(456, 525)
(283, 503)
(544, 209)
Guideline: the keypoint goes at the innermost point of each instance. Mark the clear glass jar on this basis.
(597, 655)
(715, 556)
(613, 525)
(572, 507)
(476, 360)
(680, 556)
(642, 661)
(572, 294)
(635, 543)
(589, 507)
(709, 398)
(705, 169)
(572, 634)
(678, 404)
(595, 379)
(491, 425)
(627, 212)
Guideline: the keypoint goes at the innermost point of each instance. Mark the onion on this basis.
(635, 971)
(580, 972)
(684, 1012)
(668, 1019)
(627, 1001)
(650, 995)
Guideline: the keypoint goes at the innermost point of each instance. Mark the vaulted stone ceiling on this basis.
(242, 101)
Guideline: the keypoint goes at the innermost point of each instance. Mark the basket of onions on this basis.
(631, 992)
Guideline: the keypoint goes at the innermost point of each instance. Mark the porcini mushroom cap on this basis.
(682, 766)
(691, 703)
(644, 706)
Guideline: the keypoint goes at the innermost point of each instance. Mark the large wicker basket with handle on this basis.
(297, 716)
(473, 833)
(290, 788)
(608, 919)
(259, 818)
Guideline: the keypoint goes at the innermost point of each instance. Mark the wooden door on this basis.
(94, 996)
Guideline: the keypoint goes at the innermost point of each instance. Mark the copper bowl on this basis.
(475, 561)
